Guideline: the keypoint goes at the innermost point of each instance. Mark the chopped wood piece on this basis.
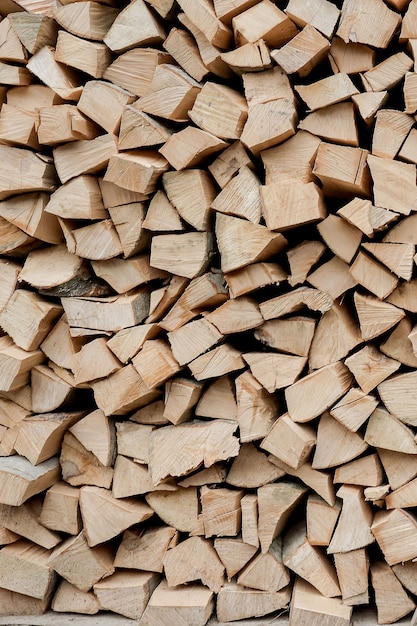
(88, 205)
(320, 482)
(263, 21)
(251, 468)
(391, 129)
(33, 576)
(12, 602)
(289, 205)
(388, 73)
(34, 31)
(111, 313)
(266, 571)
(371, 23)
(97, 434)
(201, 14)
(186, 254)
(50, 267)
(145, 549)
(303, 401)
(268, 124)
(370, 367)
(18, 127)
(290, 442)
(122, 35)
(16, 364)
(375, 317)
(209, 442)
(126, 274)
(117, 515)
(228, 163)
(251, 57)
(249, 506)
(256, 408)
(80, 467)
(241, 196)
(395, 196)
(28, 212)
(350, 57)
(403, 497)
(334, 277)
(138, 130)
(183, 48)
(302, 258)
(128, 221)
(398, 395)
(275, 371)
(292, 160)
(217, 362)
(220, 110)
(23, 520)
(398, 344)
(405, 572)
(395, 532)
(386, 431)
(212, 475)
(353, 572)
(136, 170)
(61, 78)
(103, 103)
(310, 606)
(134, 69)
(226, 9)
(81, 565)
(235, 602)
(333, 123)
(276, 502)
(122, 392)
(192, 604)
(221, 511)
(309, 562)
(336, 444)
(321, 14)
(177, 508)
(366, 217)
(353, 530)
(133, 440)
(368, 103)
(392, 601)
(194, 559)
(87, 156)
(59, 346)
(181, 396)
(126, 593)
(292, 335)
(342, 170)
(161, 215)
(354, 409)
(218, 400)
(295, 300)
(321, 520)
(327, 91)
(225, 316)
(88, 20)
(90, 57)
(252, 277)
(21, 480)
(193, 339)
(404, 296)
(191, 193)
(397, 257)
(10, 272)
(408, 149)
(189, 147)
(302, 53)
(68, 598)
(336, 335)
(155, 362)
(60, 509)
(40, 175)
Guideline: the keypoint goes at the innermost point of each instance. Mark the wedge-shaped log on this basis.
(136, 170)
(259, 134)
(398, 474)
(179, 509)
(107, 314)
(185, 254)
(405, 572)
(250, 57)
(395, 532)
(353, 573)
(290, 442)
(398, 344)
(320, 482)
(81, 565)
(291, 160)
(217, 362)
(234, 554)
(190, 146)
(94, 361)
(64, 122)
(80, 467)
(183, 48)
(193, 339)
(139, 130)
(396, 257)
(134, 69)
(292, 335)
(97, 434)
(327, 611)
(249, 506)
(49, 390)
(274, 371)
(91, 57)
(403, 497)
(289, 205)
(60, 510)
(342, 170)
(365, 471)
(235, 602)
(257, 409)
(303, 52)
(220, 110)
(155, 362)
(266, 571)
(321, 520)
(194, 559)
(202, 14)
(33, 30)
(192, 604)
(33, 576)
(341, 237)
(103, 103)
(309, 562)
(191, 192)
(321, 14)
(386, 431)
(353, 530)
(400, 196)
(264, 21)
(327, 91)
(375, 317)
(391, 599)
(335, 323)
(357, 26)
(370, 367)
(218, 400)
(21, 480)
(221, 511)
(336, 444)
(87, 156)
(23, 520)
(145, 549)
(209, 442)
(13, 602)
(276, 502)
(398, 395)
(336, 123)
(251, 468)
(303, 402)
(122, 392)
(303, 297)
(126, 593)
(40, 173)
(366, 217)
(388, 73)
(89, 21)
(68, 598)
(333, 277)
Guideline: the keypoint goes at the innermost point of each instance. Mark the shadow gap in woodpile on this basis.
(208, 309)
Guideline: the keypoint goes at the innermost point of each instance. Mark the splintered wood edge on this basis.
(361, 617)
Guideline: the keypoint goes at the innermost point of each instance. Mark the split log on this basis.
(235, 602)
(69, 598)
(391, 599)
(192, 604)
(194, 559)
(347, 535)
(394, 532)
(126, 593)
(251, 468)
(289, 441)
(353, 572)
(145, 549)
(21, 480)
(22, 520)
(266, 571)
(80, 467)
(60, 510)
(309, 605)
(33, 574)
(276, 502)
(234, 554)
(386, 431)
(321, 520)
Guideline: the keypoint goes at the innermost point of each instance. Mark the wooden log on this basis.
(300, 55)
(195, 249)
(61, 78)
(394, 532)
(21, 480)
(235, 602)
(202, 436)
(131, 478)
(400, 336)
(181, 396)
(251, 468)
(334, 277)
(366, 471)
(350, 57)
(276, 502)
(289, 205)
(301, 259)
(334, 123)
(85, 366)
(23, 521)
(88, 21)
(136, 170)
(192, 604)
(353, 571)
(397, 257)
(259, 134)
(290, 442)
(15, 75)
(266, 571)
(49, 390)
(27, 212)
(253, 276)
(81, 565)
(218, 400)
(403, 497)
(335, 323)
(348, 536)
(293, 335)
(145, 549)
(367, 218)
(33, 30)
(375, 317)
(320, 482)
(134, 69)
(388, 73)
(126, 593)
(257, 410)
(291, 160)
(391, 599)
(183, 48)
(405, 572)
(221, 511)
(386, 431)
(194, 559)
(327, 91)
(86, 156)
(398, 396)
(342, 170)
(340, 236)
(212, 475)
(104, 314)
(265, 22)
(250, 57)
(18, 127)
(121, 35)
(12, 602)
(398, 474)
(395, 199)
(349, 444)
(91, 57)
(310, 606)
(60, 510)
(275, 371)
(33, 575)
(234, 554)
(68, 598)
(213, 119)
(216, 362)
(190, 147)
(203, 15)
(80, 467)
(352, 21)
(100, 96)
(391, 129)
(122, 392)
(370, 367)
(321, 14)
(16, 364)
(321, 520)
(97, 434)
(39, 176)
(138, 130)
(249, 506)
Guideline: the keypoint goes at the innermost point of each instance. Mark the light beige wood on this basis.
(39, 172)
(276, 502)
(203, 15)
(103, 103)
(250, 57)
(259, 134)
(221, 511)
(191, 193)
(405, 572)
(321, 14)
(391, 599)
(263, 21)
(366, 217)
(126, 593)
(386, 431)
(183, 48)
(370, 367)
(403, 336)
(81, 565)
(403, 296)
(295, 300)
(301, 259)
(68, 598)
(336, 335)
(226, 9)
(408, 149)
(227, 118)
(235, 602)
(97, 434)
(291, 160)
(290, 442)
(253, 276)
(390, 132)
(189, 147)
(50, 267)
(122, 35)
(136, 170)
(218, 400)
(320, 482)
(122, 392)
(309, 562)
(178, 508)
(375, 317)
(33, 30)
(60, 511)
(49, 390)
(202, 437)
(59, 346)
(388, 73)
(342, 170)
(228, 163)
(251, 468)
(353, 572)
(193, 604)
(128, 221)
(134, 69)
(347, 535)
(155, 362)
(23, 521)
(194, 559)
(185, 254)
(16, 364)
(303, 52)
(368, 103)
(128, 341)
(336, 444)
(62, 79)
(161, 215)
(353, 21)
(133, 440)
(321, 520)
(212, 475)
(181, 396)
(14, 75)
(266, 571)
(34, 576)
(398, 474)
(12, 602)
(241, 196)
(293, 335)
(224, 317)
(91, 57)
(86, 156)
(249, 507)
(327, 91)
(86, 20)
(366, 471)
(310, 606)
(217, 362)
(234, 554)
(402, 232)
(289, 205)
(335, 123)
(94, 361)
(80, 467)
(10, 272)
(138, 130)
(62, 123)
(145, 549)
(350, 57)
(334, 278)
(123, 275)
(18, 127)
(403, 497)
(397, 257)
(27, 212)
(103, 314)
(256, 408)
(397, 546)
(397, 393)
(274, 371)
(395, 198)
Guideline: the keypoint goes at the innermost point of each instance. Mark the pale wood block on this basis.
(251, 277)
(91, 57)
(234, 554)
(179, 509)
(347, 535)
(353, 573)
(263, 21)
(266, 571)
(22, 521)
(342, 170)
(136, 170)
(122, 392)
(220, 110)
(392, 601)
(388, 73)
(134, 69)
(321, 520)
(375, 317)
(356, 26)
(241, 196)
(370, 367)
(61, 78)
(327, 91)
(183, 48)
(354, 409)
(190, 146)
(351, 57)
(290, 442)
(395, 533)
(276, 502)
(291, 160)
(321, 14)
(25, 568)
(228, 163)
(194, 559)
(60, 509)
(268, 124)
(145, 549)
(221, 511)
(18, 127)
(349, 444)
(34, 30)
(202, 14)
(191, 604)
(336, 123)
(303, 52)
(68, 598)
(186, 254)
(40, 175)
(89, 21)
(386, 431)
(275, 371)
(257, 409)
(21, 480)
(310, 606)
(251, 57)
(398, 474)
(336, 335)
(126, 593)
(235, 602)
(86, 156)
(181, 396)
(366, 217)
(289, 205)
(80, 467)
(399, 397)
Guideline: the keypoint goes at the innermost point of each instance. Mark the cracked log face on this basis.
(208, 350)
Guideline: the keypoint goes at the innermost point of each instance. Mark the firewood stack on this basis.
(208, 299)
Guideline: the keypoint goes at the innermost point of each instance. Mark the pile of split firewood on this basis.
(208, 309)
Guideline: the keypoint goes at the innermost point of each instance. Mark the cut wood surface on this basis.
(208, 349)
